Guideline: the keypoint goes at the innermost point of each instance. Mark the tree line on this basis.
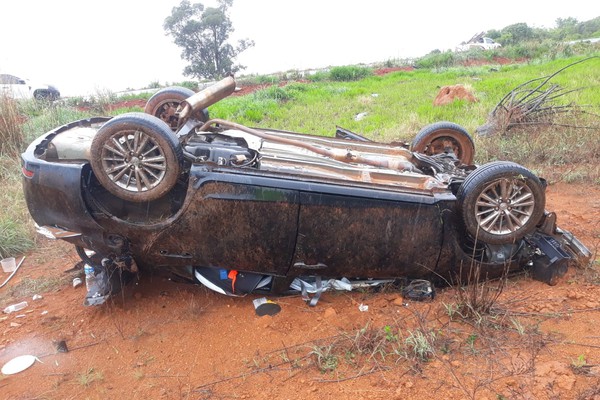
(203, 35)
(566, 29)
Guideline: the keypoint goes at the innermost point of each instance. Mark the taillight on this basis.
(28, 173)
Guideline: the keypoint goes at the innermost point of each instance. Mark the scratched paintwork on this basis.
(358, 237)
(230, 226)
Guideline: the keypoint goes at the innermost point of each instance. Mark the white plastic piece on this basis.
(15, 307)
(18, 364)
(8, 264)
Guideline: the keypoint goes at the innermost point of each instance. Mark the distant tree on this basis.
(493, 34)
(568, 23)
(571, 28)
(590, 28)
(516, 33)
(566, 28)
(202, 34)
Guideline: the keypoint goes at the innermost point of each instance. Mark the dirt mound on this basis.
(448, 94)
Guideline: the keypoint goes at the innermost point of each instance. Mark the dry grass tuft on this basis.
(11, 126)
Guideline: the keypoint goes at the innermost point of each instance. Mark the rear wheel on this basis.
(445, 137)
(501, 202)
(136, 157)
(165, 103)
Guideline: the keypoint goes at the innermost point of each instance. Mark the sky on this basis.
(87, 47)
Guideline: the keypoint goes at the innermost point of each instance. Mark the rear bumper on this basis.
(54, 197)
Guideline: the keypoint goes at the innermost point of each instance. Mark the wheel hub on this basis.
(135, 161)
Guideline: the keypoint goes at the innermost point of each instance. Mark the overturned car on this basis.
(244, 209)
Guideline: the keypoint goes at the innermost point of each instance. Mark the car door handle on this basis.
(302, 265)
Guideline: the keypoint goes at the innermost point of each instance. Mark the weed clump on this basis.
(349, 73)
(11, 126)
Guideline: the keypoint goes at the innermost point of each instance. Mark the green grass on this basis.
(404, 100)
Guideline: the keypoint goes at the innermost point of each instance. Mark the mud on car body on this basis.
(241, 209)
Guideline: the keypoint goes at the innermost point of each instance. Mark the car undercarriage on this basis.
(171, 188)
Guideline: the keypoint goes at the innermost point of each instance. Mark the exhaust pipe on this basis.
(206, 97)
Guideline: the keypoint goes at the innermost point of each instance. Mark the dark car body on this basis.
(293, 214)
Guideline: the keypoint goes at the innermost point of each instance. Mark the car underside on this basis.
(205, 197)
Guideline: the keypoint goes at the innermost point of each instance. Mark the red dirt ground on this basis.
(168, 340)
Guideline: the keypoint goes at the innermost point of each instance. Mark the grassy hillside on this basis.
(397, 105)
(401, 103)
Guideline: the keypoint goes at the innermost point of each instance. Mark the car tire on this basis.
(41, 95)
(441, 137)
(164, 104)
(136, 157)
(501, 202)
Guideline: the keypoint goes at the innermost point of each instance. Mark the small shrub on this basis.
(187, 84)
(349, 73)
(580, 365)
(153, 85)
(318, 76)
(421, 344)
(279, 93)
(267, 79)
(437, 60)
(325, 358)
(478, 297)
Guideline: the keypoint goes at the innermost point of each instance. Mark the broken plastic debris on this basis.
(61, 346)
(263, 306)
(99, 288)
(419, 290)
(77, 282)
(360, 116)
(335, 284)
(18, 364)
(9, 264)
(15, 307)
(363, 307)
(37, 297)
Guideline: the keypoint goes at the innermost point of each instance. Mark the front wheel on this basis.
(501, 202)
(136, 157)
(164, 104)
(445, 137)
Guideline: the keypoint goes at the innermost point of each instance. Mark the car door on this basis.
(230, 224)
(345, 236)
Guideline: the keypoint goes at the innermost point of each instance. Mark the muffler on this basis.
(206, 97)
